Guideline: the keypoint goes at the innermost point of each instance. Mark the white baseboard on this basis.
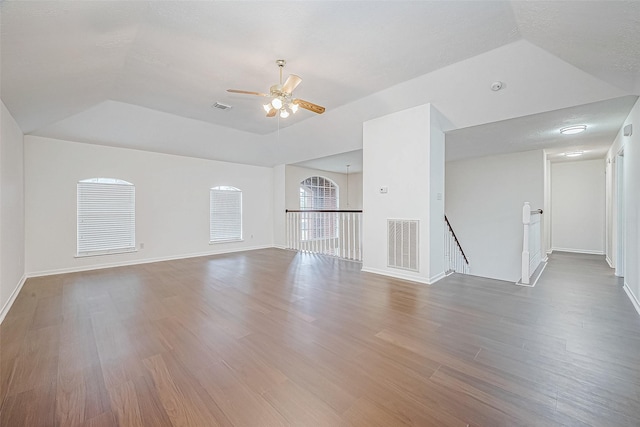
(437, 277)
(609, 261)
(536, 275)
(632, 297)
(140, 261)
(578, 251)
(12, 298)
(399, 275)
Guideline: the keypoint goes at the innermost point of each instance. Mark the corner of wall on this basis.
(12, 203)
(12, 298)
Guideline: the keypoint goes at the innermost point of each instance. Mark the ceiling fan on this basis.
(282, 99)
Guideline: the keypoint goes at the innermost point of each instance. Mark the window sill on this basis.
(110, 252)
(215, 242)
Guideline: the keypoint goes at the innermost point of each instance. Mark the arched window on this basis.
(225, 214)
(318, 193)
(106, 215)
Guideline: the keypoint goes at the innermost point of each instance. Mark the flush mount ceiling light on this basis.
(572, 130)
(574, 154)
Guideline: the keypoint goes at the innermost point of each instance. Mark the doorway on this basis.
(620, 217)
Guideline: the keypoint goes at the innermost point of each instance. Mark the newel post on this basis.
(526, 220)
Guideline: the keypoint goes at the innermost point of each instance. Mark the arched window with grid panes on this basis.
(318, 193)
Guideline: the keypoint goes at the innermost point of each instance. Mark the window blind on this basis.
(225, 210)
(106, 217)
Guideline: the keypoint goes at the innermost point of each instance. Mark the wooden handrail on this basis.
(324, 210)
(456, 239)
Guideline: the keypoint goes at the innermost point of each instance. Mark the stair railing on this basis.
(455, 258)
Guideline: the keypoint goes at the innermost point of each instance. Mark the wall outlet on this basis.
(141, 245)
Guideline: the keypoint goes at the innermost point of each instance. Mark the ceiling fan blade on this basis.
(292, 82)
(246, 92)
(272, 112)
(309, 106)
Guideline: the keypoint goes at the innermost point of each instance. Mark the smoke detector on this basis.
(496, 86)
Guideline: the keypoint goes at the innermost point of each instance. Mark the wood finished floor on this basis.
(271, 338)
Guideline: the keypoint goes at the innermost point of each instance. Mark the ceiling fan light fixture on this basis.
(277, 103)
(572, 130)
(281, 97)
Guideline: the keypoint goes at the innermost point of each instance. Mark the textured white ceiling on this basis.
(336, 163)
(542, 131)
(68, 67)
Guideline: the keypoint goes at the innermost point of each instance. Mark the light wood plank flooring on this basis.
(276, 338)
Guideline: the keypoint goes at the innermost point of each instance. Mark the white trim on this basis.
(536, 275)
(437, 277)
(579, 251)
(141, 261)
(609, 261)
(280, 247)
(395, 275)
(217, 242)
(107, 252)
(12, 298)
(632, 297)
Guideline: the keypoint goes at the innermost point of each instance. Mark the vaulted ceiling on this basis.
(144, 74)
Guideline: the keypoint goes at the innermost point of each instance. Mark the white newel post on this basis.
(526, 221)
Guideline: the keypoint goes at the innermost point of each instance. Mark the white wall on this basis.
(609, 211)
(546, 225)
(436, 194)
(578, 206)
(398, 151)
(12, 209)
(631, 194)
(483, 201)
(172, 202)
(355, 192)
(279, 206)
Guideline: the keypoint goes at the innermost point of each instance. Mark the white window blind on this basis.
(106, 216)
(225, 214)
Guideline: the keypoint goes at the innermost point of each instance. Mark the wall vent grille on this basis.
(403, 244)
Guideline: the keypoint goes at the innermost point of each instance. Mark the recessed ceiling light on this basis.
(574, 154)
(571, 130)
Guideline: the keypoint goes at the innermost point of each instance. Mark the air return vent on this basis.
(221, 106)
(403, 244)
